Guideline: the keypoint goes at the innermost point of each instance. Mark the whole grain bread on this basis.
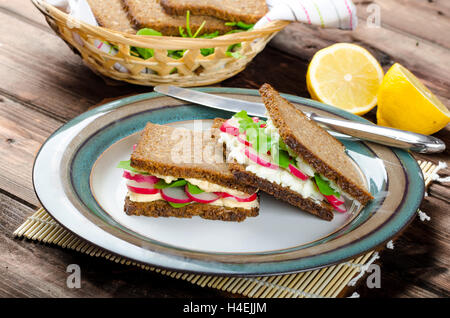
(248, 11)
(150, 14)
(112, 15)
(314, 144)
(183, 153)
(323, 210)
(161, 208)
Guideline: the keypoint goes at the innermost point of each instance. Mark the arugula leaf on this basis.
(161, 184)
(178, 205)
(324, 186)
(240, 24)
(126, 166)
(279, 156)
(193, 189)
(143, 52)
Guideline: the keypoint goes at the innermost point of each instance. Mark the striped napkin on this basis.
(325, 13)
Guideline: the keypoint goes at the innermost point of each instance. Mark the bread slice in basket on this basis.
(189, 177)
(249, 11)
(150, 14)
(112, 15)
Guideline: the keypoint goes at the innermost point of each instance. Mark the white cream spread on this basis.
(226, 202)
(213, 187)
(306, 189)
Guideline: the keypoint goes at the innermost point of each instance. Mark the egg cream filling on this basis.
(225, 202)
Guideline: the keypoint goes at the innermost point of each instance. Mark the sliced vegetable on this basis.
(140, 177)
(324, 186)
(161, 184)
(142, 190)
(249, 198)
(229, 129)
(175, 195)
(257, 159)
(296, 172)
(126, 166)
(178, 205)
(334, 200)
(194, 189)
(203, 197)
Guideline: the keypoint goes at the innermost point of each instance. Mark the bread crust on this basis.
(155, 155)
(230, 10)
(150, 14)
(111, 14)
(316, 146)
(161, 208)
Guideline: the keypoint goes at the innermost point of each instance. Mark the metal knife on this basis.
(344, 128)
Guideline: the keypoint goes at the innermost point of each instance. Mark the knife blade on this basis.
(339, 128)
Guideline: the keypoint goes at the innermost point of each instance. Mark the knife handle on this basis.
(383, 135)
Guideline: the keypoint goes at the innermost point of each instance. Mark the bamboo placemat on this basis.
(328, 282)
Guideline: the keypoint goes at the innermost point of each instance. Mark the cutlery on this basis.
(339, 128)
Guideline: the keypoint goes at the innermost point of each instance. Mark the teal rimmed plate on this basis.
(76, 181)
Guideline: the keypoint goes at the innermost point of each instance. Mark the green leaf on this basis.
(161, 184)
(324, 186)
(280, 157)
(126, 166)
(206, 52)
(194, 189)
(144, 52)
(148, 31)
(241, 25)
(178, 205)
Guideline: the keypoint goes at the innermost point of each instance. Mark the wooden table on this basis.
(43, 85)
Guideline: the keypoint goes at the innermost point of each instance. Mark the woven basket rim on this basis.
(149, 41)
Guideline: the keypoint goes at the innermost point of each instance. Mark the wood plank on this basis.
(22, 132)
(418, 265)
(23, 9)
(418, 21)
(46, 74)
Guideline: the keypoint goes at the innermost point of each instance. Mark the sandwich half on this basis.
(181, 173)
(292, 158)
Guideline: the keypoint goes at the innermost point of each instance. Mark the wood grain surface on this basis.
(43, 84)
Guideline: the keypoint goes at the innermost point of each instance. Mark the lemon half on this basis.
(346, 76)
(405, 103)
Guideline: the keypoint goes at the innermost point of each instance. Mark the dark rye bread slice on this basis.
(183, 153)
(248, 11)
(323, 210)
(314, 144)
(112, 15)
(161, 208)
(150, 14)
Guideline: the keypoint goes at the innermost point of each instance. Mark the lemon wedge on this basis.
(405, 103)
(346, 76)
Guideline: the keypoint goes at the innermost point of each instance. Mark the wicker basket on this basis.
(193, 69)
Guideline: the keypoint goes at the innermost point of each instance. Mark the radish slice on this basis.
(136, 184)
(250, 198)
(245, 142)
(340, 208)
(296, 172)
(255, 158)
(134, 147)
(255, 119)
(204, 197)
(229, 129)
(333, 200)
(175, 195)
(140, 177)
(142, 190)
(263, 126)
